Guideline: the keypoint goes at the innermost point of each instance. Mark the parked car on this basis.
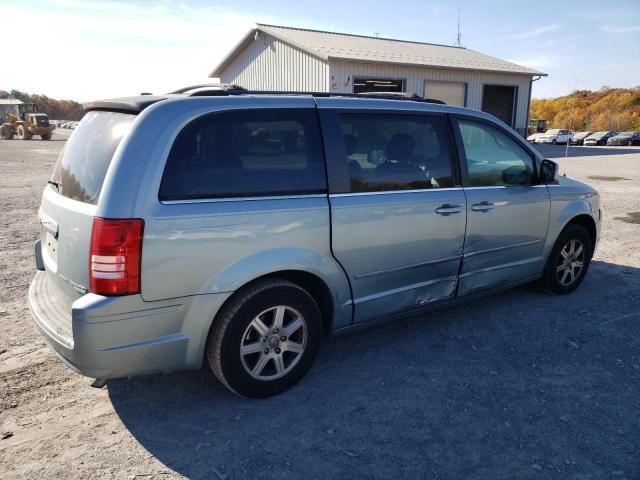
(216, 227)
(599, 138)
(625, 139)
(555, 135)
(578, 137)
(532, 138)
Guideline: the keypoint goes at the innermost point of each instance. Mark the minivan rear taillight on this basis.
(114, 258)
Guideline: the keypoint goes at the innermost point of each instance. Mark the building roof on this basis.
(360, 48)
(10, 101)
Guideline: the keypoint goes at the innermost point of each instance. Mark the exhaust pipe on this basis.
(99, 383)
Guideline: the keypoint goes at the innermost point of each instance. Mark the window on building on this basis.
(396, 152)
(493, 158)
(246, 153)
(364, 85)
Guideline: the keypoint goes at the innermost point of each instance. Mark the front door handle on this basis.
(482, 206)
(448, 209)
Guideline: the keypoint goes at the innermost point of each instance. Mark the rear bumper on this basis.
(111, 337)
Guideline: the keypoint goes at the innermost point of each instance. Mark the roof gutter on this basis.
(526, 127)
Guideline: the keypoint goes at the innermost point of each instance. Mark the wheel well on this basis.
(313, 284)
(586, 222)
(316, 287)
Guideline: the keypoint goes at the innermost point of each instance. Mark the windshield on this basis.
(552, 132)
(625, 134)
(83, 163)
(28, 108)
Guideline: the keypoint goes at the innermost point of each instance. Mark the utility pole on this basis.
(573, 105)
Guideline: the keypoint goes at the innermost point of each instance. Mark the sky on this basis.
(86, 50)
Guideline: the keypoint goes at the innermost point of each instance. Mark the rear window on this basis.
(83, 163)
(246, 153)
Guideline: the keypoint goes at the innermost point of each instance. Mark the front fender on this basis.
(271, 261)
(564, 208)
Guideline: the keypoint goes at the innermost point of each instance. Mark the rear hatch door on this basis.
(70, 201)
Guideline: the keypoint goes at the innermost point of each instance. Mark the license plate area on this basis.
(49, 251)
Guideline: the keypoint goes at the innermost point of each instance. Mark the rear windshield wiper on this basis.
(55, 184)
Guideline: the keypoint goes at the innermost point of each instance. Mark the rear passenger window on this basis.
(396, 152)
(246, 153)
(493, 158)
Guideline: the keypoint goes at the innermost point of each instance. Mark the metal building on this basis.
(282, 58)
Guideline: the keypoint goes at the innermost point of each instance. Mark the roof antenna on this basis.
(458, 42)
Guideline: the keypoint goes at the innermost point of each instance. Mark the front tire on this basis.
(569, 261)
(265, 339)
(46, 136)
(23, 133)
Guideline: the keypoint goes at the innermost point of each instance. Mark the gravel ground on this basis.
(519, 385)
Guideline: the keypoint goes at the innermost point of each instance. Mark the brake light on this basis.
(115, 254)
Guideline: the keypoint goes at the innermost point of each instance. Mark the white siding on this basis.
(342, 73)
(270, 64)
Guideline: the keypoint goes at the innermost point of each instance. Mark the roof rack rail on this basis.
(225, 89)
(211, 89)
(377, 95)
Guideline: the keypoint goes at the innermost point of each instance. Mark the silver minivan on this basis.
(242, 228)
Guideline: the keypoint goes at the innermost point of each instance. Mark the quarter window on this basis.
(396, 152)
(493, 158)
(246, 153)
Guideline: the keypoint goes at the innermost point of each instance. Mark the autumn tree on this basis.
(605, 109)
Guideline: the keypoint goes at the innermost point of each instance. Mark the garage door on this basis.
(451, 93)
(500, 101)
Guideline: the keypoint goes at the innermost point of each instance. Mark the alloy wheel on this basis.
(570, 262)
(273, 343)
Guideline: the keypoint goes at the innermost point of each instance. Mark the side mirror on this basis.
(549, 172)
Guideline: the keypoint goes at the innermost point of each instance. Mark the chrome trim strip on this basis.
(386, 293)
(389, 192)
(48, 223)
(406, 267)
(495, 187)
(499, 249)
(242, 199)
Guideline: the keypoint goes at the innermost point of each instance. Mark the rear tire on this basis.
(6, 132)
(569, 261)
(265, 339)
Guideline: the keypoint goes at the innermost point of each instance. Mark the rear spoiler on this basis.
(132, 105)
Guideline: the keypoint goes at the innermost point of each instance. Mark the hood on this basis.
(570, 182)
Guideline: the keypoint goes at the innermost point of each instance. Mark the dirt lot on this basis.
(520, 385)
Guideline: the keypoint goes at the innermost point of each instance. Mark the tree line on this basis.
(55, 109)
(615, 109)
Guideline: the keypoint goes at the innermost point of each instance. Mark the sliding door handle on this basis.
(482, 207)
(448, 209)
